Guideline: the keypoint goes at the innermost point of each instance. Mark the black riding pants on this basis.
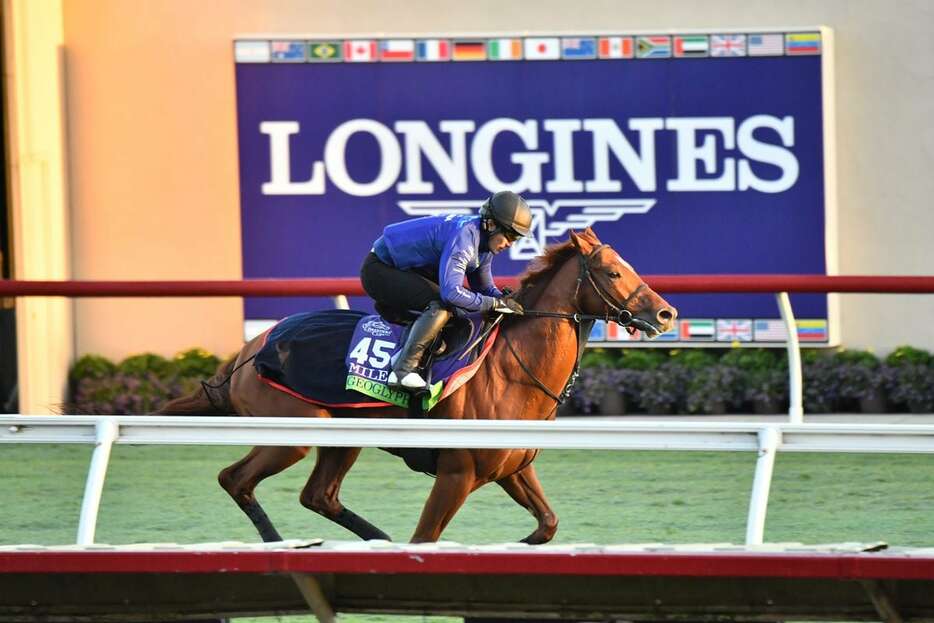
(397, 291)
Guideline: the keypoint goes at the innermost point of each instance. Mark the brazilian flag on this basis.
(325, 51)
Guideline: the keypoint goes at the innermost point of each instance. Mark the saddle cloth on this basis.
(342, 358)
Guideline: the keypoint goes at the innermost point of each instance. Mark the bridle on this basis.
(583, 322)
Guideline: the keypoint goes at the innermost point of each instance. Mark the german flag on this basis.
(469, 50)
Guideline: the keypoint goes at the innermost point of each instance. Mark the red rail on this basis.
(351, 286)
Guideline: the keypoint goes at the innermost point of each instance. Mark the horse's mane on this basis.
(542, 269)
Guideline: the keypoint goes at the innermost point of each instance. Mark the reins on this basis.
(583, 324)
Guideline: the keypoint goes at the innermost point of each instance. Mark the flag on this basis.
(469, 50)
(766, 45)
(542, 48)
(251, 51)
(325, 51)
(801, 43)
(728, 45)
(734, 330)
(577, 48)
(504, 49)
(394, 50)
(615, 47)
(668, 336)
(616, 333)
(433, 50)
(691, 46)
(287, 51)
(360, 50)
(812, 330)
(598, 332)
(697, 330)
(770, 331)
(653, 47)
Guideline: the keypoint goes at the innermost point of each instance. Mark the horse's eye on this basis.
(613, 275)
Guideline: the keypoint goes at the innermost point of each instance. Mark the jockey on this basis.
(420, 264)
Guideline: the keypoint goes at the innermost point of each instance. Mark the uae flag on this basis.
(615, 47)
(360, 50)
(542, 48)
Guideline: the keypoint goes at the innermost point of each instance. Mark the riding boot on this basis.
(406, 371)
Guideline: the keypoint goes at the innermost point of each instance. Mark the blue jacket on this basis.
(452, 245)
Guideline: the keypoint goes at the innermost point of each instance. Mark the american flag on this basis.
(772, 44)
(728, 45)
(770, 331)
(734, 330)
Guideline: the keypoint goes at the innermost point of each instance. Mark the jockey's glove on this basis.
(508, 306)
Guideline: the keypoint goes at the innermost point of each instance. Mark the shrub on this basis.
(714, 389)
(821, 382)
(908, 355)
(641, 359)
(664, 389)
(911, 385)
(196, 363)
(92, 367)
(140, 365)
(860, 375)
(139, 384)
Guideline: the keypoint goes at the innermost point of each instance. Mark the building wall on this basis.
(153, 161)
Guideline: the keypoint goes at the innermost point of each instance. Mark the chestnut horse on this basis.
(528, 366)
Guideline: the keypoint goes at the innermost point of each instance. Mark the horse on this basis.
(521, 378)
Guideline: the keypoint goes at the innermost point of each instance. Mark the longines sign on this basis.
(689, 154)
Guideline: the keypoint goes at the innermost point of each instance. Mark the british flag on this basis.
(728, 45)
(734, 330)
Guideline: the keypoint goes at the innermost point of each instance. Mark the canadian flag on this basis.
(360, 50)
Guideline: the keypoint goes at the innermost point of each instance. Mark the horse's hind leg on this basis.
(241, 478)
(323, 488)
(525, 488)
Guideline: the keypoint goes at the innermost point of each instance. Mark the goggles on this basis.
(510, 235)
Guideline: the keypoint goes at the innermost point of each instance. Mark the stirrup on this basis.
(412, 380)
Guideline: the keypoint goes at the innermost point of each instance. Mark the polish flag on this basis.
(360, 50)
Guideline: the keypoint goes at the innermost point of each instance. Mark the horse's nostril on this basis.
(665, 315)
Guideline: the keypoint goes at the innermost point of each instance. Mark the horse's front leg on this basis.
(525, 488)
(455, 480)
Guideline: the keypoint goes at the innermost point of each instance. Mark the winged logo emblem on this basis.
(575, 214)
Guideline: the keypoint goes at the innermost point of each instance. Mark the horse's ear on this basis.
(581, 241)
(588, 233)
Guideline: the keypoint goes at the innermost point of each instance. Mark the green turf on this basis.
(169, 494)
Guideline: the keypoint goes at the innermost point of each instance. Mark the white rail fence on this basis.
(763, 439)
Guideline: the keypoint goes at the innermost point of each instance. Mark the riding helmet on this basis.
(509, 211)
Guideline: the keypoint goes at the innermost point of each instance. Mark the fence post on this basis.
(795, 377)
(107, 432)
(769, 440)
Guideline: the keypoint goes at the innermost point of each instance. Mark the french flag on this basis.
(433, 50)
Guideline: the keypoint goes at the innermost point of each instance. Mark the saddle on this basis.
(342, 359)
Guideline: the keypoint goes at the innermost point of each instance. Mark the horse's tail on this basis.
(212, 398)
